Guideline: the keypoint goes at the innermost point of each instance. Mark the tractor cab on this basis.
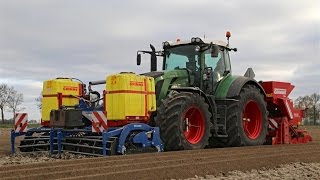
(205, 62)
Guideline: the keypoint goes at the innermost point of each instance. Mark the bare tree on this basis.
(310, 104)
(303, 102)
(15, 100)
(39, 101)
(315, 99)
(5, 94)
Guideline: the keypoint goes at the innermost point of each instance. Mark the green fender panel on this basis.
(231, 86)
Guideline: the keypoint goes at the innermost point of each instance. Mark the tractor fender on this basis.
(208, 100)
(237, 85)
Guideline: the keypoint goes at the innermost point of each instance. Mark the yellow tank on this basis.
(130, 97)
(57, 92)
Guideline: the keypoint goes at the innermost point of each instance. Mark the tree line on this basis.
(311, 105)
(10, 99)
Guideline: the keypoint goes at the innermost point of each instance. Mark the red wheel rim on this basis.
(194, 125)
(252, 120)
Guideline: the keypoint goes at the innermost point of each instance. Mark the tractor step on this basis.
(220, 126)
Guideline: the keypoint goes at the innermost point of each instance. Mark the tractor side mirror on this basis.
(138, 59)
(214, 51)
(153, 58)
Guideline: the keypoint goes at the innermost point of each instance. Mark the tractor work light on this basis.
(196, 40)
(197, 48)
(166, 44)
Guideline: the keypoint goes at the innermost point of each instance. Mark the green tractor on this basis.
(200, 103)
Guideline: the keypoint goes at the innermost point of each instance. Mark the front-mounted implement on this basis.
(83, 141)
(84, 123)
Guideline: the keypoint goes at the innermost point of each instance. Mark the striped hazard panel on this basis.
(21, 122)
(273, 124)
(99, 121)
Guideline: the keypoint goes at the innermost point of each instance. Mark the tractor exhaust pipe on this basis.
(153, 53)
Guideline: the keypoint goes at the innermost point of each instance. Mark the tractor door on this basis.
(216, 66)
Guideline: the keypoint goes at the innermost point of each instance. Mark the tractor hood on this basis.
(154, 74)
(168, 74)
(166, 79)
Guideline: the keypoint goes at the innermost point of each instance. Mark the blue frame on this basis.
(122, 133)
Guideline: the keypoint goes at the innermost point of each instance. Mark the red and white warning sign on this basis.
(21, 122)
(99, 121)
(273, 124)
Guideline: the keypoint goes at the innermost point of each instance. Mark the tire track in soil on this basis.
(181, 164)
(88, 165)
(148, 156)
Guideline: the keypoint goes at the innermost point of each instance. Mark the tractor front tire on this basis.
(247, 120)
(184, 121)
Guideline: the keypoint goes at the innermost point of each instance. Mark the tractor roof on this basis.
(206, 41)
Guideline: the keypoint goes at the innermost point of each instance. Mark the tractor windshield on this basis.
(204, 64)
(188, 56)
(182, 57)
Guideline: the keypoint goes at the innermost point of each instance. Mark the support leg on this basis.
(51, 141)
(104, 143)
(59, 142)
(13, 137)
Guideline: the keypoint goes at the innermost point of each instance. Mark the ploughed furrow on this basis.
(187, 170)
(151, 156)
(180, 164)
(124, 163)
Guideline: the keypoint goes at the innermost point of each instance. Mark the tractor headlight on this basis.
(165, 44)
(197, 48)
(196, 40)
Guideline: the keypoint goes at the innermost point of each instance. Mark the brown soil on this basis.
(168, 165)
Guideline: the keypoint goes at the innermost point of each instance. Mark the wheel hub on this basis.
(252, 120)
(194, 125)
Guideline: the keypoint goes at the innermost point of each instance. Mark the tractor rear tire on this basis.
(184, 121)
(247, 120)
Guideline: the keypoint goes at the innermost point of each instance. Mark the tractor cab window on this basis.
(215, 65)
(182, 57)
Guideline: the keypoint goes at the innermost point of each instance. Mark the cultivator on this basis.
(129, 139)
(195, 102)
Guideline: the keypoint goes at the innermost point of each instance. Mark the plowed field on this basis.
(167, 165)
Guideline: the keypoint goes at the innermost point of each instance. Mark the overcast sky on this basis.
(42, 39)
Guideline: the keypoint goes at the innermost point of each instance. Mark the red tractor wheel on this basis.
(247, 120)
(194, 121)
(184, 121)
(252, 119)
